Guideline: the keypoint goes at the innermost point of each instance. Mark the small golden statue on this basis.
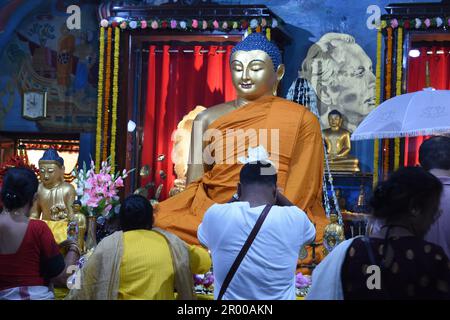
(333, 234)
(361, 206)
(341, 200)
(77, 225)
(338, 144)
(54, 196)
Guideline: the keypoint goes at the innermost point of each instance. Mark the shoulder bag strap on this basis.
(243, 251)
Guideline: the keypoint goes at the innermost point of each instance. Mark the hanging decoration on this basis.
(419, 23)
(398, 89)
(115, 99)
(193, 24)
(107, 94)
(387, 95)
(376, 151)
(101, 65)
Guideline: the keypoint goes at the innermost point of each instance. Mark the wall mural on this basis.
(341, 74)
(43, 54)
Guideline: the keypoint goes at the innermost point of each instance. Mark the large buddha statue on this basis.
(55, 196)
(338, 144)
(223, 133)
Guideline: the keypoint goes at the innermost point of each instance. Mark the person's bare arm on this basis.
(70, 259)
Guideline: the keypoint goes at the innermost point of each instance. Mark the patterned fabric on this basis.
(414, 269)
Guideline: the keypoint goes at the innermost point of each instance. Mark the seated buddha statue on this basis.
(338, 144)
(294, 141)
(54, 196)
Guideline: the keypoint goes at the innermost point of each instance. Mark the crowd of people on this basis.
(254, 241)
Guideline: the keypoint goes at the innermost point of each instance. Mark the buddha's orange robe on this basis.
(300, 167)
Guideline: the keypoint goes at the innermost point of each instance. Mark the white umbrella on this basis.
(420, 113)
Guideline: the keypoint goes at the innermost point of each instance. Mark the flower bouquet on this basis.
(204, 283)
(302, 284)
(98, 192)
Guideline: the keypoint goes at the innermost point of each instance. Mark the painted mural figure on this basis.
(341, 74)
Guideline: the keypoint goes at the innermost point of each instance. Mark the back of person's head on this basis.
(434, 153)
(258, 173)
(411, 195)
(19, 187)
(136, 213)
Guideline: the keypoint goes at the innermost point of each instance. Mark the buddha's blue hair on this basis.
(52, 155)
(257, 41)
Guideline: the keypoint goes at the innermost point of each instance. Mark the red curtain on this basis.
(438, 59)
(178, 81)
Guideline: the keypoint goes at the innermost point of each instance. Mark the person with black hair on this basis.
(267, 271)
(434, 156)
(395, 262)
(30, 260)
(140, 262)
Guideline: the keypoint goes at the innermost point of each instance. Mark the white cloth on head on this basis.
(267, 272)
(256, 154)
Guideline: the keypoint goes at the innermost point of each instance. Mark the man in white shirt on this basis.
(267, 271)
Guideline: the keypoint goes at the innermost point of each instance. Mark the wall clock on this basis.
(34, 105)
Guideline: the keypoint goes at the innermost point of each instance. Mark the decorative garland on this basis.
(193, 24)
(398, 90)
(114, 99)
(388, 95)
(376, 147)
(107, 95)
(418, 23)
(101, 66)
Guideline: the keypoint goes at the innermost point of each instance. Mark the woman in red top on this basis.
(30, 261)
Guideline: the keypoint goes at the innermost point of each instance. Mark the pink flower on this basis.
(144, 24)
(215, 24)
(208, 280)
(198, 279)
(301, 281)
(394, 23)
(195, 24)
(154, 25)
(119, 182)
(108, 208)
(173, 24)
(204, 25)
(427, 22)
(104, 23)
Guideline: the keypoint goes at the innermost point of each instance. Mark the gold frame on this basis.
(44, 97)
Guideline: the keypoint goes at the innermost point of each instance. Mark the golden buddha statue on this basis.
(254, 75)
(333, 234)
(78, 219)
(293, 137)
(54, 196)
(341, 200)
(361, 205)
(338, 144)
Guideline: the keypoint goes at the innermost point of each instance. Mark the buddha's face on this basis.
(51, 174)
(253, 74)
(335, 121)
(76, 207)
